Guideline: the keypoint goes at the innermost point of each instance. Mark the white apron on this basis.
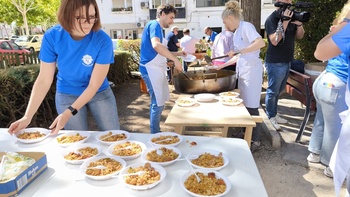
(340, 160)
(249, 72)
(249, 67)
(156, 70)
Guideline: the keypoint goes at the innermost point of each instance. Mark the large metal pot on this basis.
(211, 81)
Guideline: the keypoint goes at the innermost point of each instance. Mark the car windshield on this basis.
(24, 39)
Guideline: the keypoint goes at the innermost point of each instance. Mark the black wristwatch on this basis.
(73, 110)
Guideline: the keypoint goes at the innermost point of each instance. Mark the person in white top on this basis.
(188, 45)
(247, 43)
(222, 45)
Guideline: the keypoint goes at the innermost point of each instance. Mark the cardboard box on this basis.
(315, 69)
(17, 185)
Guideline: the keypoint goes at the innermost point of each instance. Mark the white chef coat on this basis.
(249, 66)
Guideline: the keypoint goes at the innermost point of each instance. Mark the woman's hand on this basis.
(19, 125)
(182, 53)
(60, 121)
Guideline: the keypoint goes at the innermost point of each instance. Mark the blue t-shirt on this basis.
(342, 40)
(213, 35)
(147, 52)
(75, 59)
(172, 41)
(339, 67)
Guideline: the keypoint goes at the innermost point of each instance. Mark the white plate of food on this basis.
(151, 175)
(216, 184)
(189, 58)
(161, 155)
(112, 136)
(72, 138)
(127, 150)
(185, 102)
(32, 135)
(79, 153)
(165, 139)
(204, 97)
(112, 165)
(229, 94)
(208, 159)
(231, 101)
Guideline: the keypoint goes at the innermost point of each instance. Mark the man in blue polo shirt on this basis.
(335, 43)
(212, 34)
(154, 54)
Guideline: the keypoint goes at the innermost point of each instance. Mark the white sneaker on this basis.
(328, 172)
(313, 158)
(275, 124)
(280, 120)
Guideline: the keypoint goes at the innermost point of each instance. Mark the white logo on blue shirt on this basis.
(87, 60)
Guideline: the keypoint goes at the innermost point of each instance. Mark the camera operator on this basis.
(281, 32)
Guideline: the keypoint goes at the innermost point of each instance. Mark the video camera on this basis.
(301, 16)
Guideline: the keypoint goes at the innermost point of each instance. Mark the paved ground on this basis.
(281, 162)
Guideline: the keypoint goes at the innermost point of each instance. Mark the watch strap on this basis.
(73, 110)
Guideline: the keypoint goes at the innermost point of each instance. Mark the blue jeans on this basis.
(257, 128)
(155, 110)
(330, 101)
(184, 66)
(102, 106)
(277, 74)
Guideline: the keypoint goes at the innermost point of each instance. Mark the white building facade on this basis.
(127, 18)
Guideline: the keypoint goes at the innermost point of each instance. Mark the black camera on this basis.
(301, 16)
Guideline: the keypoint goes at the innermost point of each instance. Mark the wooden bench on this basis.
(299, 86)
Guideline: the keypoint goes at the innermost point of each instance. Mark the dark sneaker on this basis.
(255, 146)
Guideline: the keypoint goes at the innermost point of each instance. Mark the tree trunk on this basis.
(252, 12)
(25, 21)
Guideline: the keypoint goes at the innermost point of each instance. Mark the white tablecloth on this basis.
(60, 178)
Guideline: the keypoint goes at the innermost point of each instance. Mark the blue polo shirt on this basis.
(342, 40)
(75, 59)
(213, 35)
(147, 52)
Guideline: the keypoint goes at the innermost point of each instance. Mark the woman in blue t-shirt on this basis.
(334, 44)
(82, 53)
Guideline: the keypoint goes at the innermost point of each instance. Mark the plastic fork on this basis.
(139, 173)
(166, 139)
(100, 167)
(159, 152)
(192, 170)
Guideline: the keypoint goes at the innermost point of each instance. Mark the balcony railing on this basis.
(122, 10)
(181, 13)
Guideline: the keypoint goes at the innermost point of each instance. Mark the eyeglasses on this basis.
(90, 20)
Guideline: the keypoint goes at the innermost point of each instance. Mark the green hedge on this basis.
(15, 88)
(322, 16)
(16, 84)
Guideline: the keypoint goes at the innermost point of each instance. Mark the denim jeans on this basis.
(102, 106)
(184, 66)
(155, 110)
(330, 101)
(277, 74)
(257, 128)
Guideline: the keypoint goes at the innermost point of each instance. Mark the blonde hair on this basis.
(343, 13)
(232, 8)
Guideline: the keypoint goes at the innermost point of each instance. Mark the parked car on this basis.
(31, 43)
(13, 38)
(7, 46)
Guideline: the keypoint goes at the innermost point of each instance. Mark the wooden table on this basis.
(211, 114)
(60, 177)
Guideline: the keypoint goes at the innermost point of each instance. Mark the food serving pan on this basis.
(210, 81)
